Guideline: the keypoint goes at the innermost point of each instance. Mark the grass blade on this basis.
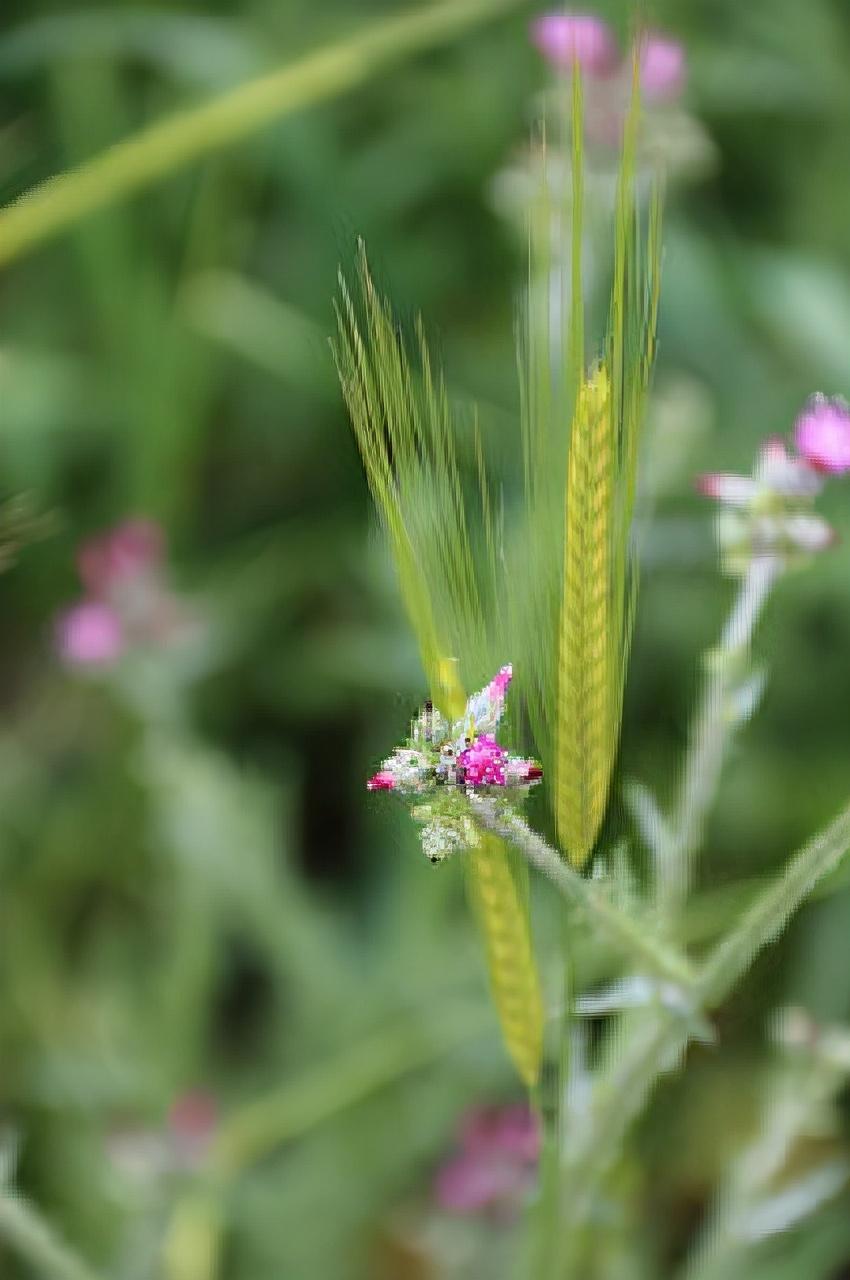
(185, 137)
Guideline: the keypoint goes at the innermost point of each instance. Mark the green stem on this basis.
(32, 1239)
(183, 138)
(711, 733)
(771, 911)
(628, 934)
(656, 1039)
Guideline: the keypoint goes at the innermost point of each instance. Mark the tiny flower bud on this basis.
(822, 435)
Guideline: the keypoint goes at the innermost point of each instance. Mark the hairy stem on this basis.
(710, 736)
(628, 934)
(644, 1046)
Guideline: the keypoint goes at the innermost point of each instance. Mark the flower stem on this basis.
(638, 943)
(711, 733)
(25, 1231)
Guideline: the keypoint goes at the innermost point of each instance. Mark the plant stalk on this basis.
(183, 138)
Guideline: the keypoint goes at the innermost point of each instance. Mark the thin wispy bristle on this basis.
(404, 429)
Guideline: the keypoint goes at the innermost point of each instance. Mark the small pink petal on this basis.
(90, 634)
(381, 781)
(822, 435)
(663, 67)
(566, 39)
(738, 491)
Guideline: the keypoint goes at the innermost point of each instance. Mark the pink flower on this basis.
(495, 1166)
(179, 1146)
(483, 762)
(120, 555)
(565, 39)
(511, 1130)
(90, 634)
(383, 780)
(192, 1124)
(127, 601)
(662, 67)
(822, 435)
(777, 474)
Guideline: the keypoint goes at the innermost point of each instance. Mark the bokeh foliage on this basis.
(194, 888)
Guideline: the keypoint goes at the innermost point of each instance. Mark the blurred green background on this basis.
(196, 892)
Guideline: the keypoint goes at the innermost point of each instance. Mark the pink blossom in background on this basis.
(179, 1146)
(663, 67)
(511, 1130)
(192, 1124)
(127, 601)
(495, 1166)
(119, 555)
(90, 634)
(778, 474)
(724, 486)
(822, 435)
(568, 38)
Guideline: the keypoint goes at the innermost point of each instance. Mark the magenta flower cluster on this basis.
(570, 39)
(494, 1167)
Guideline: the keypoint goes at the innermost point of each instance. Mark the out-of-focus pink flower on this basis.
(663, 67)
(192, 1123)
(494, 1167)
(822, 435)
(127, 601)
(483, 762)
(178, 1146)
(737, 491)
(90, 634)
(566, 39)
(511, 1130)
(120, 555)
(777, 475)
(383, 780)
(770, 513)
